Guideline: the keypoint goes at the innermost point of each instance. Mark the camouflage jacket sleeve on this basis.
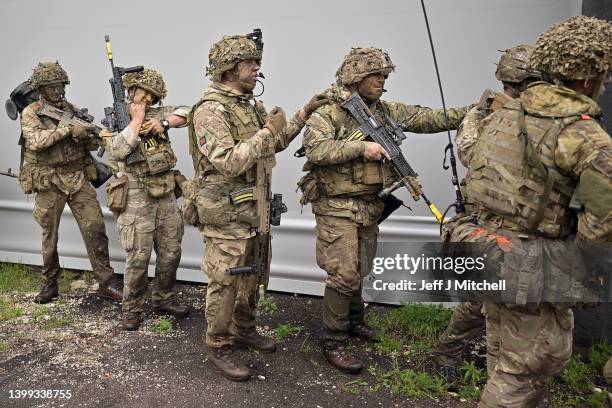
(418, 119)
(584, 150)
(180, 110)
(216, 143)
(467, 134)
(36, 134)
(120, 145)
(319, 139)
(291, 130)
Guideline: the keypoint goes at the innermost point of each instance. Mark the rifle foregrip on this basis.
(242, 270)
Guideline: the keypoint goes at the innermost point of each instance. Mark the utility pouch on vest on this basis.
(116, 195)
(159, 186)
(42, 179)
(214, 206)
(310, 189)
(27, 175)
(188, 207)
(159, 161)
(372, 173)
(523, 272)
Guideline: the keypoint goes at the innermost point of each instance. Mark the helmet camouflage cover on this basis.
(577, 48)
(46, 73)
(513, 66)
(147, 79)
(227, 52)
(361, 62)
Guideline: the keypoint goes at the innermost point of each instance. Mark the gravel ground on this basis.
(77, 344)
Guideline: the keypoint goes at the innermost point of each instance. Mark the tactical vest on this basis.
(513, 174)
(357, 177)
(157, 151)
(66, 154)
(245, 120)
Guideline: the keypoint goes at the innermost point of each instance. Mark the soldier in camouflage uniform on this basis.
(467, 319)
(343, 179)
(151, 218)
(531, 157)
(58, 166)
(230, 135)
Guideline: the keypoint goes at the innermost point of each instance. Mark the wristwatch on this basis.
(165, 124)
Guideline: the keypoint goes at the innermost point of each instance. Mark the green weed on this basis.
(9, 311)
(18, 278)
(285, 330)
(267, 305)
(162, 326)
(408, 382)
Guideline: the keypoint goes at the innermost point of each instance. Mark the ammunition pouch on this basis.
(116, 195)
(160, 160)
(159, 185)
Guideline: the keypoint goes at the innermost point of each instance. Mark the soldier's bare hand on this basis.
(153, 126)
(137, 112)
(374, 151)
(276, 120)
(79, 132)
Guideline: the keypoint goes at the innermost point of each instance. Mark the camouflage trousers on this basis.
(84, 205)
(535, 344)
(345, 250)
(465, 324)
(150, 223)
(230, 299)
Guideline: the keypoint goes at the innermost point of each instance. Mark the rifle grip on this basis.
(242, 270)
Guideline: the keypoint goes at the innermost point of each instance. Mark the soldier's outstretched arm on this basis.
(37, 135)
(584, 150)
(297, 122)
(320, 144)
(216, 143)
(419, 119)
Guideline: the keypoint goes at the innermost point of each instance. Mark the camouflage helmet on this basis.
(147, 79)
(577, 48)
(227, 52)
(46, 73)
(361, 62)
(513, 66)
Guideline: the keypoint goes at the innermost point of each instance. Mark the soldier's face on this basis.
(53, 92)
(246, 74)
(372, 87)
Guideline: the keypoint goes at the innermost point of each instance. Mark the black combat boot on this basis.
(174, 309)
(47, 293)
(131, 321)
(258, 342)
(339, 357)
(111, 291)
(222, 359)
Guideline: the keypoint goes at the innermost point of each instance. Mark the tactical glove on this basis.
(276, 121)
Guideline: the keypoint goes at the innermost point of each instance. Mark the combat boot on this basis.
(174, 309)
(47, 293)
(111, 291)
(364, 332)
(258, 342)
(222, 359)
(340, 358)
(131, 321)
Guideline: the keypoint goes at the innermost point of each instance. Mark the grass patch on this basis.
(54, 323)
(388, 344)
(577, 376)
(599, 355)
(43, 318)
(162, 326)
(285, 330)
(18, 278)
(306, 345)
(354, 387)
(470, 392)
(409, 383)
(4, 346)
(267, 305)
(9, 311)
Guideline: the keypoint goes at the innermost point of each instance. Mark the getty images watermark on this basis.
(518, 271)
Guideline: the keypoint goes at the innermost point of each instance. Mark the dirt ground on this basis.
(77, 343)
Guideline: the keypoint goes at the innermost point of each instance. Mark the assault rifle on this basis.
(269, 210)
(79, 117)
(389, 136)
(117, 117)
